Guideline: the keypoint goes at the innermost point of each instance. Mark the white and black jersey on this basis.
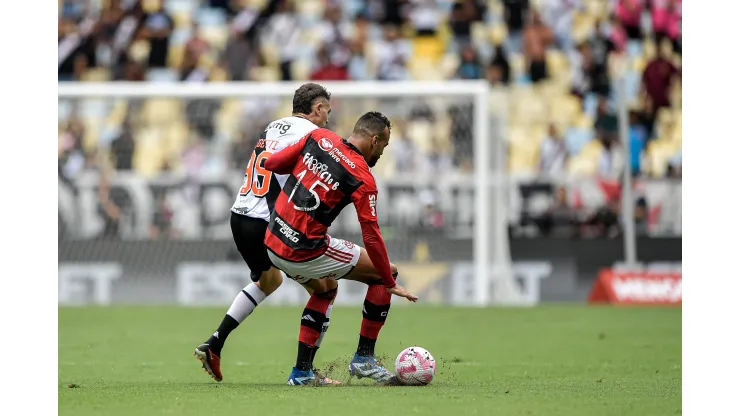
(256, 198)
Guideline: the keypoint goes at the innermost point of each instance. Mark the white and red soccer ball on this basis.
(415, 366)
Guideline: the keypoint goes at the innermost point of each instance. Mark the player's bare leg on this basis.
(209, 353)
(374, 313)
(314, 323)
(270, 281)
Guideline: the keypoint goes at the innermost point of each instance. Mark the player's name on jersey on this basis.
(269, 145)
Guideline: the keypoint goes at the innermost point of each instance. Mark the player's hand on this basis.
(399, 290)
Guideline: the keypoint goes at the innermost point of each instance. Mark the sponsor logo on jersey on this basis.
(373, 201)
(337, 155)
(282, 125)
(326, 144)
(285, 230)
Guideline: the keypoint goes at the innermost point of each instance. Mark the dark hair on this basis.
(305, 96)
(371, 124)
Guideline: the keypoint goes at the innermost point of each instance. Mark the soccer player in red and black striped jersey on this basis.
(250, 216)
(327, 173)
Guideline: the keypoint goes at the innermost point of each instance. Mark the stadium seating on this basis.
(526, 109)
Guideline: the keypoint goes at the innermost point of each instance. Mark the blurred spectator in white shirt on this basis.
(558, 14)
(553, 153)
(391, 55)
(425, 16)
(357, 68)
(283, 32)
(335, 34)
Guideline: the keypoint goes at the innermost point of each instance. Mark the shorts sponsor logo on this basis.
(303, 278)
(349, 244)
(329, 276)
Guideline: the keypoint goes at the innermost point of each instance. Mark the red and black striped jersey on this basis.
(328, 173)
(256, 197)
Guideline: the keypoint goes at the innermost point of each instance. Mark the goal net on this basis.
(148, 172)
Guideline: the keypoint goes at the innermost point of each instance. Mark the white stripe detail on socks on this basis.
(325, 327)
(245, 302)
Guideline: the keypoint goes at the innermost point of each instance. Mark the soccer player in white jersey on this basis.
(250, 216)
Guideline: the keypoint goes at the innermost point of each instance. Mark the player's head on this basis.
(375, 131)
(312, 102)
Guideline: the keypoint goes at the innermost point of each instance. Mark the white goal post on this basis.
(494, 280)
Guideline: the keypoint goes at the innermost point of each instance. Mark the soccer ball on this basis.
(415, 366)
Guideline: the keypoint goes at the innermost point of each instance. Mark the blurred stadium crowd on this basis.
(551, 64)
(556, 58)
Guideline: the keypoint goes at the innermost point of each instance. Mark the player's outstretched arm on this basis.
(283, 161)
(378, 254)
(364, 201)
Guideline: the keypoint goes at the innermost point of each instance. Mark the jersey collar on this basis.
(351, 146)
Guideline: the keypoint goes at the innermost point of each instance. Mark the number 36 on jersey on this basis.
(256, 177)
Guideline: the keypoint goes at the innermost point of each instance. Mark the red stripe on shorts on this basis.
(338, 253)
(339, 259)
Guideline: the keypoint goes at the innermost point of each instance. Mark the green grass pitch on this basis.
(549, 360)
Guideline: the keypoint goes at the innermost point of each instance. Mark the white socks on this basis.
(245, 302)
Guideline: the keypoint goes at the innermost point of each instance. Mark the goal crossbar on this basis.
(259, 89)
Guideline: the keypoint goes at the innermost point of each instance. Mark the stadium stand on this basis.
(551, 64)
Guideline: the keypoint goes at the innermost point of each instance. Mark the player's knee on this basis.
(329, 295)
(326, 289)
(270, 281)
(394, 270)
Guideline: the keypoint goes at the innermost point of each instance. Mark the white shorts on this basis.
(338, 260)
